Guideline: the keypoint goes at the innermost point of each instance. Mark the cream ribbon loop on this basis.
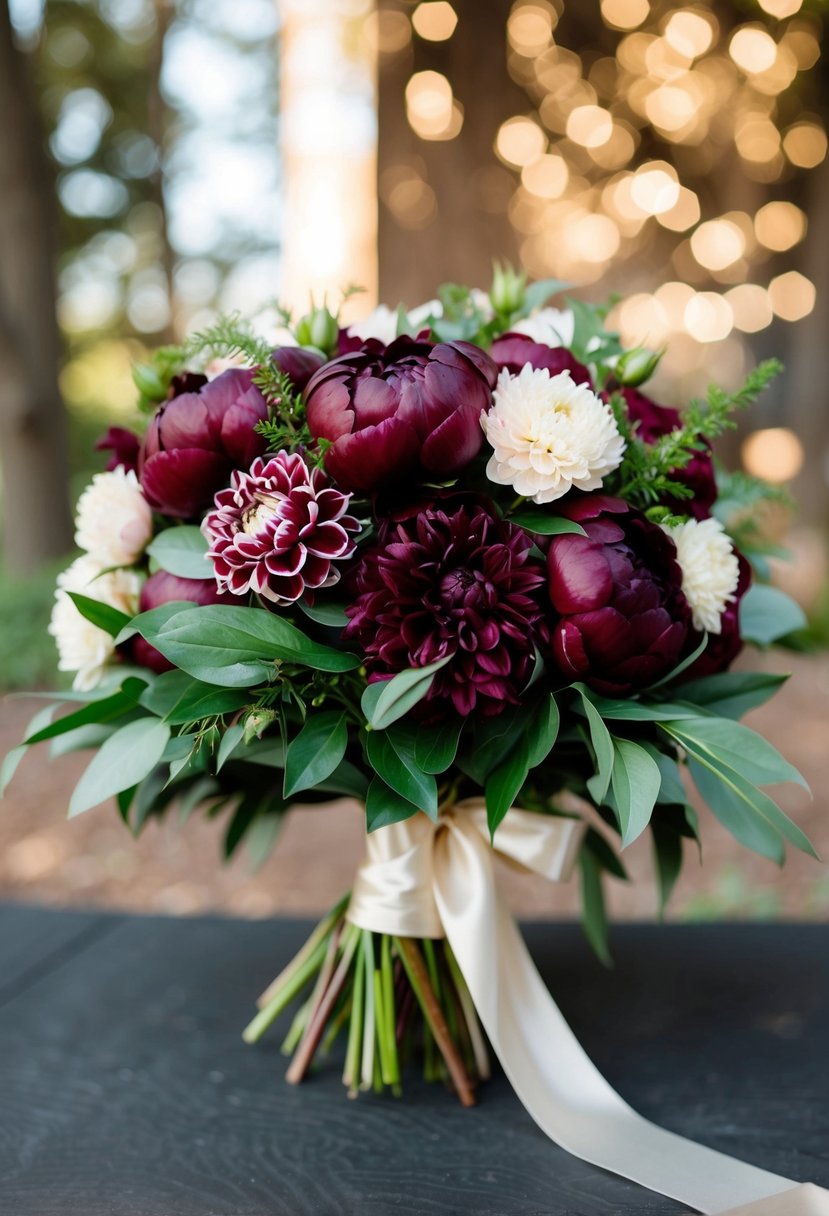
(425, 879)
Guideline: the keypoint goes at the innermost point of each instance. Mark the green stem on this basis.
(285, 993)
(391, 1014)
(319, 934)
(470, 1014)
(317, 1023)
(351, 1075)
(367, 1062)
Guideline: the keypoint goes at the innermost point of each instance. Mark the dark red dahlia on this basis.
(279, 530)
(624, 621)
(654, 421)
(410, 409)
(514, 351)
(461, 584)
(124, 446)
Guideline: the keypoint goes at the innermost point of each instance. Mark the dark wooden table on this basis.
(125, 1089)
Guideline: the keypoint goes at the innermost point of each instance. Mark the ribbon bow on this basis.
(427, 879)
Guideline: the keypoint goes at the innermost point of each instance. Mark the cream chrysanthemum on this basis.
(114, 520)
(549, 434)
(710, 570)
(550, 326)
(82, 647)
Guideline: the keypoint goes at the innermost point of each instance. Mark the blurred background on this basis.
(161, 162)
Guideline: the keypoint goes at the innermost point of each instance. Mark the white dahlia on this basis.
(549, 434)
(82, 646)
(710, 570)
(550, 326)
(114, 520)
(380, 324)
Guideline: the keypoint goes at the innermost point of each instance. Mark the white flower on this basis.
(482, 302)
(82, 646)
(114, 521)
(548, 434)
(419, 315)
(380, 324)
(710, 570)
(550, 326)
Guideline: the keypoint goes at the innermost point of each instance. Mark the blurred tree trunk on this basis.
(33, 442)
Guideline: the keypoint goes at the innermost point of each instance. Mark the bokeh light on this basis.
(434, 20)
(792, 295)
(775, 453)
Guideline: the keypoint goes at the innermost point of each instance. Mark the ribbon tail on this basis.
(552, 1075)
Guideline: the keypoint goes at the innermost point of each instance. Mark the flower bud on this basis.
(634, 367)
(507, 290)
(318, 328)
(148, 382)
(257, 722)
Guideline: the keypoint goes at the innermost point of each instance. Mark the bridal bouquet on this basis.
(453, 563)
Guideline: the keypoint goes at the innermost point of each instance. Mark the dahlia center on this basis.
(259, 514)
(455, 585)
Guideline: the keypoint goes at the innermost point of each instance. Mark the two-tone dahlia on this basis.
(460, 585)
(279, 530)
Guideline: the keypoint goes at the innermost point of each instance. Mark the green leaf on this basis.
(384, 806)
(230, 741)
(262, 835)
(731, 693)
(605, 855)
(602, 745)
(152, 620)
(180, 699)
(543, 730)
(182, 551)
(392, 756)
(125, 759)
(316, 751)
(11, 761)
(504, 783)
(538, 293)
(237, 647)
(437, 746)
(546, 525)
(104, 616)
(83, 738)
(346, 780)
(399, 694)
(667, 853)
(767, 613)
(684, 665)
(488, 741)
(640, 711)
(737, 811)
(94, 711)
(326, 613)
(737, 746)
(636, 781)
(593, 915)
(671, 789)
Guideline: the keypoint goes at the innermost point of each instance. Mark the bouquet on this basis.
(454, 563)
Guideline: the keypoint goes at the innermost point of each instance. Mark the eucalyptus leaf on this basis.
(182, 551)
(104, 710)
(767, 614)
(602, 744)
(316, 751)
(399, 694)
(125, 759)
(730, 694)
(636, 781)
(737, 746)
(12, 759)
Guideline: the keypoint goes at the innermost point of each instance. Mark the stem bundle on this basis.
(392, 996)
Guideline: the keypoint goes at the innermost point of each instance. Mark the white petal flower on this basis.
(550, 326)
(549, 434)
(82, 646)
(482, 302)
(114, 520)
(419, 315)
(380, 324)
(710, 570)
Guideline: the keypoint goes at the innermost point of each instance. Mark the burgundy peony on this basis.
(514, 351)
(124, 446)
(460, 584)
(163, 588)
(406, 410)
(624, 621)
(207, 429)
(279, 530)
(723, 647)
(654, 421)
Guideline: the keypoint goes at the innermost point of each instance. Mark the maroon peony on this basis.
(459, 585)
(624, 621)
(406, 410)
(207, 429)
(723, 647)
(654, 421)
(124, 446)
(163, 588)
(514, 351)
(279, 530)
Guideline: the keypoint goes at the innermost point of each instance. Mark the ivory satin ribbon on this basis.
(425, 879)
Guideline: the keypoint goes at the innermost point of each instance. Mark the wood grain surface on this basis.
(125, 1089)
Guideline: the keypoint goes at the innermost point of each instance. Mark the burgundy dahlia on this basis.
(654, 421)
(205, 430)
(279, 530)
(164, 588)
(514, 351)
(405, 410)
(624, 621)
(460, 584)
